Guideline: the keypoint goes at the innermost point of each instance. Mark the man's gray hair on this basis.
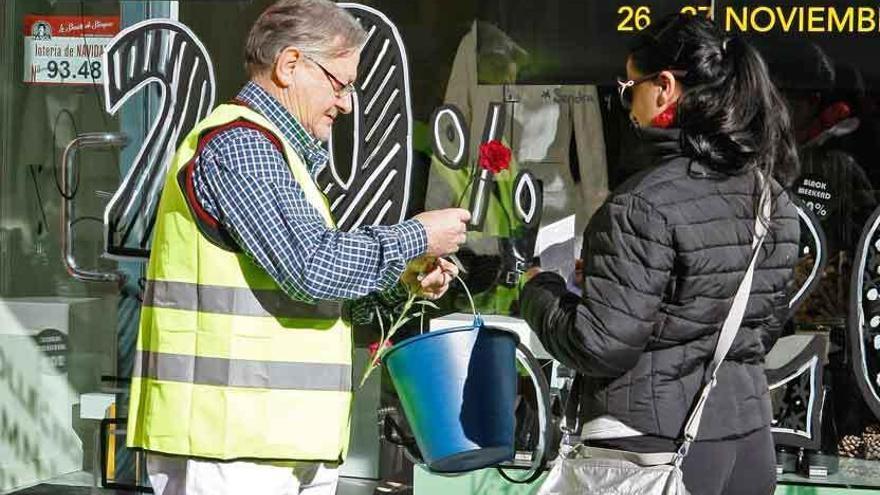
(318, 28)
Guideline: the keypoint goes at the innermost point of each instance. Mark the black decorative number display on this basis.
(373, 186)
(449, 136)
(168, 55)
(527, 199)
(864, 314)
(814, 253)
(794, 375)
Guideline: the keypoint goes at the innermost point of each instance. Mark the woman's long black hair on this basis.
(731, 115)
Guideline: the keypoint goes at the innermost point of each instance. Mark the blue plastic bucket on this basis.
(458, 391)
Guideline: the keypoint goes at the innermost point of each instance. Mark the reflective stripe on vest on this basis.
(247, 373)
(234, 301)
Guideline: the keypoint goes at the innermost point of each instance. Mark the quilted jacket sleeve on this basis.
(628, 260)
(787, 229)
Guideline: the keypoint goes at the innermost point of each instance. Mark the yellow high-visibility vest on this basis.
(228, 366)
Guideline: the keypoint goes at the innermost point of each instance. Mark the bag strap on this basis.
(571, 415)
(731, 324)
(639, 458)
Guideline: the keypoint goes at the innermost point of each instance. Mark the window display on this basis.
(509, 109)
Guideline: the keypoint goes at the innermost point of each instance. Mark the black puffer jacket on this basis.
(662, 260)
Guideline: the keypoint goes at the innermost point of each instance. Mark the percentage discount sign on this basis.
(818, 208)
(817, 194)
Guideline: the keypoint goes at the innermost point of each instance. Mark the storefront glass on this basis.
(69, 310)
(72, 245)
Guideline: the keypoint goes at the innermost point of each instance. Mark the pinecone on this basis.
(850, 446)
(873, 429)
(872, 446)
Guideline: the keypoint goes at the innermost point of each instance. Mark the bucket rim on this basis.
(436, 333)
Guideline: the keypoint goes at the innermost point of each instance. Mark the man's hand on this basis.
(430, 277)
(446, 230)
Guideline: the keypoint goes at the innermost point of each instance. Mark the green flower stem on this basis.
(402, 318)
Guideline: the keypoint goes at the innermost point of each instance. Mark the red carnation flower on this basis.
(374, 347)
(494, 156)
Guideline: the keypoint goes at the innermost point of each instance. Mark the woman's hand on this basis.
(578, 272)
(531, 273)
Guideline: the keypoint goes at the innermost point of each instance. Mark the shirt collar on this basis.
(309, 148)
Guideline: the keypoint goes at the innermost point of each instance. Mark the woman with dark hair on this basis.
(665, 254)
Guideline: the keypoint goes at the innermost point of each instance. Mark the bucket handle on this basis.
(542, 389)
(478, 318)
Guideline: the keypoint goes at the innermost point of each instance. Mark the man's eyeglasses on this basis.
(340, 89)
(624, 85)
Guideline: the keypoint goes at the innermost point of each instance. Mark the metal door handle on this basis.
(68, 173)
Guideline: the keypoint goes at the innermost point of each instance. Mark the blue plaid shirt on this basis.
(244, 182)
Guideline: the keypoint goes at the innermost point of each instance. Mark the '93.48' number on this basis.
(62, 70)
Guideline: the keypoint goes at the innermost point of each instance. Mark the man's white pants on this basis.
(172, 475)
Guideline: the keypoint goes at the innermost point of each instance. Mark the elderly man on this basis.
(242, 384)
